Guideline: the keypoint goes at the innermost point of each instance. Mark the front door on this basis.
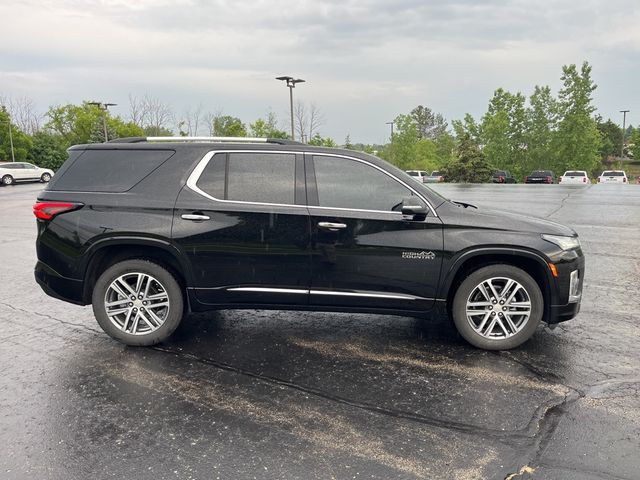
(242, 222)
(365, 252)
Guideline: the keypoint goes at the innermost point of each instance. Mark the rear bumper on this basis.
(57, 286)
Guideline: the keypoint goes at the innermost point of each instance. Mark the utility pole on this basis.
(8, 121)
(105, 108)
(624, 131)
(291, 83)
(391, 123)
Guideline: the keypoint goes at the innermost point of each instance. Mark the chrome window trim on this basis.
(268, 290)
(202, 164)
(418, 194)
(195, 176)
(395, 296)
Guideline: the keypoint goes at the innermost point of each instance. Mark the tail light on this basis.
(549, 179)
(624, 179)
(560, 179)
(584, 179)
(501, 179)
(48, 210)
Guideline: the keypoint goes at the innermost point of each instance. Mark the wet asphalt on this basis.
(263, 394)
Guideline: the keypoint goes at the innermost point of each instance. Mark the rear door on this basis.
(244, 226)
(365, 253)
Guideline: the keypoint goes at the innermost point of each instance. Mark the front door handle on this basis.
(332, 227)
(195, 217)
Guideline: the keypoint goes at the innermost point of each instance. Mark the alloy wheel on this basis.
(137, 303)
(498, 308)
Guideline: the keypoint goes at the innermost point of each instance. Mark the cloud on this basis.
(364, 62)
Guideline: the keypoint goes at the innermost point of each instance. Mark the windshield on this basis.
(613, 174)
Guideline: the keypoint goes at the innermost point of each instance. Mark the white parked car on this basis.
(418, 175)
(574, 177)
(613, 176)
(12, 172)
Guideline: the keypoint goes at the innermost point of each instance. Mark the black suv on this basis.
(148, 229)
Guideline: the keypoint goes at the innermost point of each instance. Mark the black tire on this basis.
(7, 180)
(467, 288)
(45, 177)
(167, 284)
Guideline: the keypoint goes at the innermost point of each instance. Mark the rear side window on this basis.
(112, 171)
(259, 177)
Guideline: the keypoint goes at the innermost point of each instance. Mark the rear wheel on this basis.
(138, 302)
(45, 177)
(498, 307)
(7, 180)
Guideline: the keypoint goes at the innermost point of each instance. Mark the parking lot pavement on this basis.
(260, 394)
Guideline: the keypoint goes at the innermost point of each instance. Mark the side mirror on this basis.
(411, 206)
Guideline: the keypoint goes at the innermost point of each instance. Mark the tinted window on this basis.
(8, 166)
(613, 174)
(575, 174)
(413, 173)
(436, 174)
(109, 170)
(251, 177)
(344, 183)
(542, 173)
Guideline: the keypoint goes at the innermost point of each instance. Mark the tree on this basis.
(267, 128)
(470, 165)
(151, 114)
(541, 124)
(189, 123)
(428, 124)
(21, 141)
(634, 144)
(76, 124)
(23, 113)
(228, 126)
(307, 120)
(48, 150)
(503, 131)
(611, 137)
(577, 141)
(319, 141)
(467, 129)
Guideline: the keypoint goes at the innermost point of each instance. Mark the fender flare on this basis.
(137, 240)
(457, 262)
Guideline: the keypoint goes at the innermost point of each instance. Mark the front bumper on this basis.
(57, 286)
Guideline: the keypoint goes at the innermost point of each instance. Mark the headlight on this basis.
(565, 243)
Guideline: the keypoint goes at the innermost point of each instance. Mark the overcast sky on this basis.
(364, 61)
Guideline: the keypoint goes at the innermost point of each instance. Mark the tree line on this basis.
(517, 133)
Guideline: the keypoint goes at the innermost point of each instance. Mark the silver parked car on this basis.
(12, 172)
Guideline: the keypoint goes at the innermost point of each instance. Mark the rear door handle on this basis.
(195, 217)
(332, 227)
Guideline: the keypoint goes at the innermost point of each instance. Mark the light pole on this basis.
(291, 83)
(624, 126)
(104, 107)
(391, 123)
(13, 154)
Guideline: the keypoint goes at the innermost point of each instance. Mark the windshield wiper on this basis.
(465, 205)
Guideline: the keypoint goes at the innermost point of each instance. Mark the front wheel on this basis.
(45, 177)
(498, 307)
(7, 180)
(138, 302)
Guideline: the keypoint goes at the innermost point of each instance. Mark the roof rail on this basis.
(278, 141)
